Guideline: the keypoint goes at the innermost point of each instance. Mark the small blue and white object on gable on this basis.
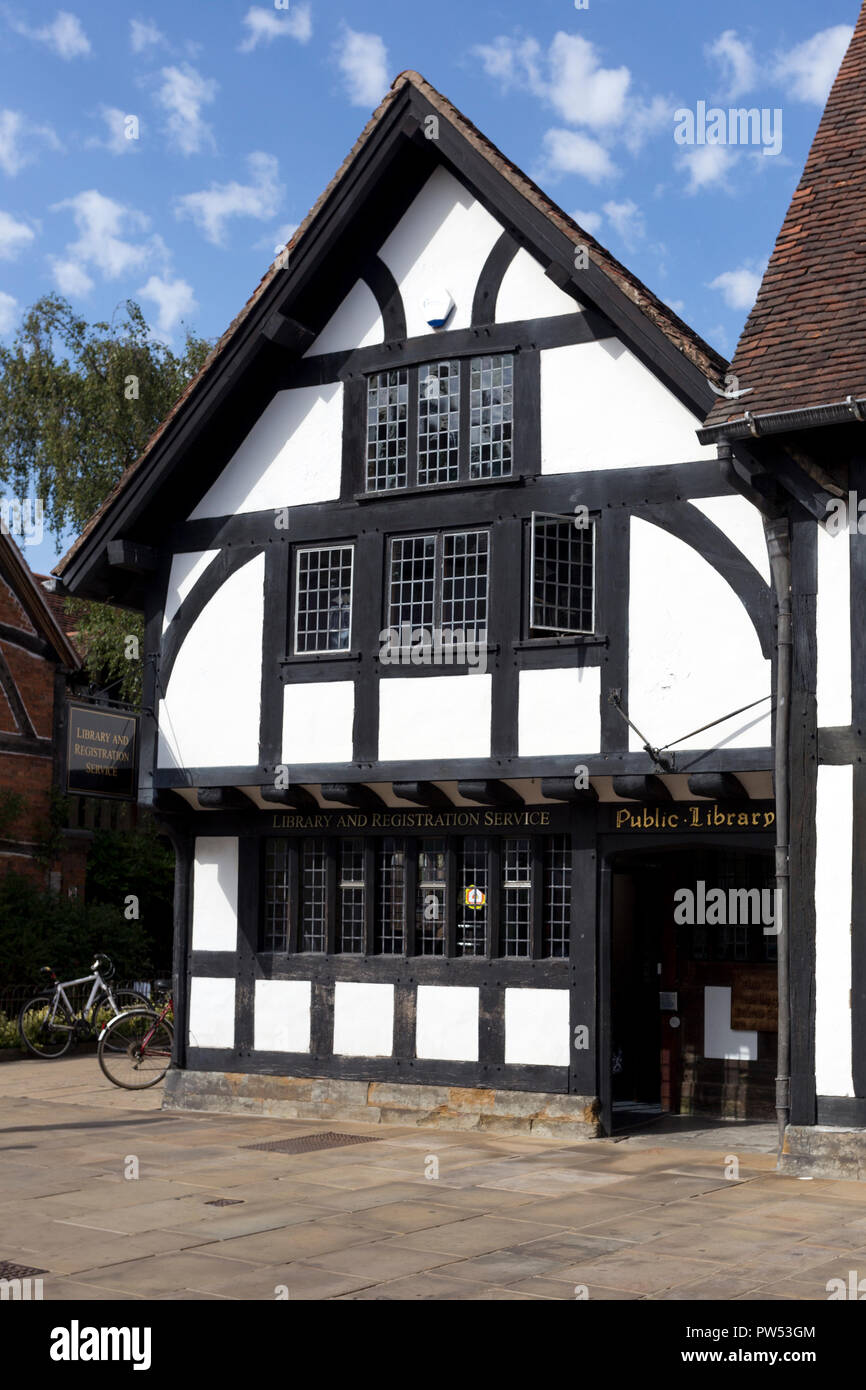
(438, 309)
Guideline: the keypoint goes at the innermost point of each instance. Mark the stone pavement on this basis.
(651, 1216)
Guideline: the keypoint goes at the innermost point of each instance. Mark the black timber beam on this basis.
(490, 793)
(641, 788)
(222, 799)
(421, 794)
(293, 798)
(355, 794)
(563, 789)
(286, 332)
(129, 555)
(718, 786)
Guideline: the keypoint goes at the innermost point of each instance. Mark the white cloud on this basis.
(275, 241)
(115, 137)
(589, 221)
(104, 227)
(174, 299)
(8, 312)
(513, 62)
(183, 94)
(144, 34)
(64, 35)
(20, 139)
(739, 287)
(737, 62)
(14, 236)
(71, 279)
(583, 92)
(265, 25)
(211, 208)
(363, 61)
(626, 219)
(572, 152)
(809, 69)
(708, 166)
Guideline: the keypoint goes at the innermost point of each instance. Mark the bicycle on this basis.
(135, 1047)
(48, 1024)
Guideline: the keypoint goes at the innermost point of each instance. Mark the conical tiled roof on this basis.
(804, 343)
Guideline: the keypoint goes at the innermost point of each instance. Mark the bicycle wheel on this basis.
(125, 999)
(47, 1031)
(135, 1049)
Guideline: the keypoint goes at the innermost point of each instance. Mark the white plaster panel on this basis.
(440, 243)
(833, 865)
(720, 1039)
(693, 653)
(291, 456)
(437, 717)
(363, 1020)
(537, 1027)
(186, 570)
(317, 722)
(215, 894)
(742, 524)
(527, 293)
(211, 711)
(558, 711)
(282, 1016)
(357, 323)
(211, 1012)
(833, 627)
(447, 1022)
(602, 408)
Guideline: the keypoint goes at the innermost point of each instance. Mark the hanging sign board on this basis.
(101, 752)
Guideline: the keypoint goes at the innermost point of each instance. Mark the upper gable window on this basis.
(440, 423)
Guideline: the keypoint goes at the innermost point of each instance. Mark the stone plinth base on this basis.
(548, 1116)
(822, 1151)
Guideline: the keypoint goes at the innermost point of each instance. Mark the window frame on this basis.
(542, 935)
(439, 536)
(319, 653)
(533, 632)
(413, 371)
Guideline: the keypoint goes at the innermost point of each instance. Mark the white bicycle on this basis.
(48, 1024)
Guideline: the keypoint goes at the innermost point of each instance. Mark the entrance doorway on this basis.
(693, 1011)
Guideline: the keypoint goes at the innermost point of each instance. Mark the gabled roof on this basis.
(34, 600)
(803, 346)
(699, 360)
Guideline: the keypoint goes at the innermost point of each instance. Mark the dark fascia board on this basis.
(304, 262)
(531, 227)
(786, 421)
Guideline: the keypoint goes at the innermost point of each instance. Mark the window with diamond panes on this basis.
(390, 896)
(557, 895)
(562, 592)
(275, 936)
(439, 581)
(472, 896)
(491, 416)
(431, 917)
(323, 602)
(387, 430)
(314, 907)
(438, 423)
(516, 896)
(352, 888)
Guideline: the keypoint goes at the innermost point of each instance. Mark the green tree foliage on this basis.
(102, 636)
(39, 928)
(136, 863)
(79, 401)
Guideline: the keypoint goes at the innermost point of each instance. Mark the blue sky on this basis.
(245, 111)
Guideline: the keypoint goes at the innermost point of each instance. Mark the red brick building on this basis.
(38, 661)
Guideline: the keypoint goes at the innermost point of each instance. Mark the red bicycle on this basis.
(135, 1047)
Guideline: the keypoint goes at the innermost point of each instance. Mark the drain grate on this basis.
(225, 1202)
(8, 1270)
(306, 1143)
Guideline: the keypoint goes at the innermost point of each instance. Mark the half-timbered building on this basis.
(460, 663)
(801, 368)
